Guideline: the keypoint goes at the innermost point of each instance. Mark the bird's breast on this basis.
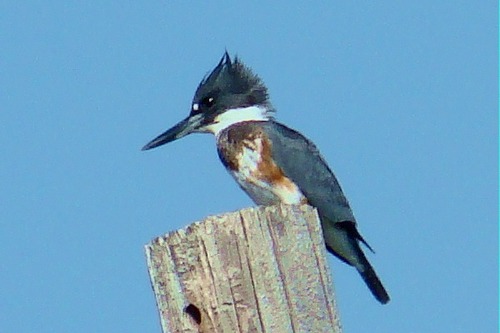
(247, 154)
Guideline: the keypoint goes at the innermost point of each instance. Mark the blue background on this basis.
(401, 98)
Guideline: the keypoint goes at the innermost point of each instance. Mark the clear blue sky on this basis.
(400, 97)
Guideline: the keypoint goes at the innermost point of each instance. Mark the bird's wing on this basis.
(301, 161)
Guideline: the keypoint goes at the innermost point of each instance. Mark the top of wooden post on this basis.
(255, 270)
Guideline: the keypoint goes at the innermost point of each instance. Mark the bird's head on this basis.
(230, 94)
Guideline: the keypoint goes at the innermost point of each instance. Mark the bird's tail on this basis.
(371, 279)
(343, 240)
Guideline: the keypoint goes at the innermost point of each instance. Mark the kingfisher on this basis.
(271, 162)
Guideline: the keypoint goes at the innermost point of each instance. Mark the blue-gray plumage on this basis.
(271, 162)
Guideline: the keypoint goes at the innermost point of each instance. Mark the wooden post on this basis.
(255, 270)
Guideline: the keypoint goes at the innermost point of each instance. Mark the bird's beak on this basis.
(183, 128)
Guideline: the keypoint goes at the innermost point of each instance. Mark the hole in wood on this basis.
(193, 312)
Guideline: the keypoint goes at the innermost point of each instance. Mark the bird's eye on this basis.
(208, 102)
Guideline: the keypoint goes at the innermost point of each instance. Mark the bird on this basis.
(271, 162)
